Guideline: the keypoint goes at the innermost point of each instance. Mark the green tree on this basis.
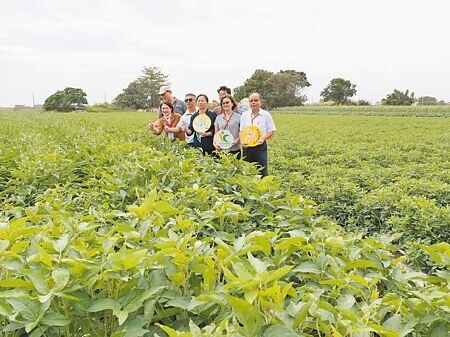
(427, 100)
(65, 100)
(277, 89)
(256, 83)
(339, 91)
(142, 93)
(286, 88)
(398, 98)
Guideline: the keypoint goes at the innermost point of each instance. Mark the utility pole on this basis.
(33, 101)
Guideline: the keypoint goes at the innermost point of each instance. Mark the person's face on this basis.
(227, 104)
(222, 94)
(167, 96)
(165, 110)
(190, 101)
(255, 102)
(201, 102)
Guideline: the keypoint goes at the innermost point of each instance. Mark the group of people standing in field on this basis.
(192, 121)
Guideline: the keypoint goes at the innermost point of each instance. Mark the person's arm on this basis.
(157, 127)
(268, 135)
(216, 129)
(190, 128)
(270, 127)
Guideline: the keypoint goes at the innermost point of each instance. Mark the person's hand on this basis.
(166, 128)
(217, 146)
(150, 126)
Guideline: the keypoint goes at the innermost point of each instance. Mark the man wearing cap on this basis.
(178, 105)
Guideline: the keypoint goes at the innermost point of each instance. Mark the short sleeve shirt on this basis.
(232, 125)
(184, 122)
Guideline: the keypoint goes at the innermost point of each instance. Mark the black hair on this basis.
(170, 105)
(224, 87)
(206, 97)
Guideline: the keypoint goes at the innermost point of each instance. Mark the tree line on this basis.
(284, 88)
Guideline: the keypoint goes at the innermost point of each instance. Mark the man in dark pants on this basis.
(263, 120)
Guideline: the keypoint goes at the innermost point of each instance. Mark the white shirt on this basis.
(263, 120)
(184, 122)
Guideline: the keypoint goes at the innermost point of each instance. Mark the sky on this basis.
(103, 45)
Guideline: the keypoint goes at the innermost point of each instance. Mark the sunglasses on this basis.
(254, 100)
(228, 102)
(188, 100)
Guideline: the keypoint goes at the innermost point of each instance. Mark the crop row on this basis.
(107, 231)
(372, 110)
(371, 174)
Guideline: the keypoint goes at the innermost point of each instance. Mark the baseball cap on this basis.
(163, 89)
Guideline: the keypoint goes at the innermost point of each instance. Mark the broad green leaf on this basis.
(181, 302)
(248, 316)
(55, 319)
(5, 309)
(439, 330)
(346, 301)
(278, 273)
(29, 309)
(382, 330)
(44, 257)
(251, 294)
(361, 264)
(61, 243)
(173, 333)
(15, 293)
(104, 304)
(60, 277)
(301, 314)
(3, 245)
(359, 279)
(257, 264)
(15, 283)
(38, 280)
(242, 272)
(278, 331)
(307, 267)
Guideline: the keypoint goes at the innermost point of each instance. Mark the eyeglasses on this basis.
(188, 100)
(227, 102)
(254, 100)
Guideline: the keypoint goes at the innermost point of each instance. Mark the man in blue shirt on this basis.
(166, 94)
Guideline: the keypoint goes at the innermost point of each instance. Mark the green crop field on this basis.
(106, 230)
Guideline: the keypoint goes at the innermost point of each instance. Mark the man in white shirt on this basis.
(183, 124)
(262, 119)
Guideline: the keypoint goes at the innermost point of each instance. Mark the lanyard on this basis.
(227, 121)
(253, 117)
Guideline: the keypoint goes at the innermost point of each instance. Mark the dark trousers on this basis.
(258, 155)
(238, 152)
